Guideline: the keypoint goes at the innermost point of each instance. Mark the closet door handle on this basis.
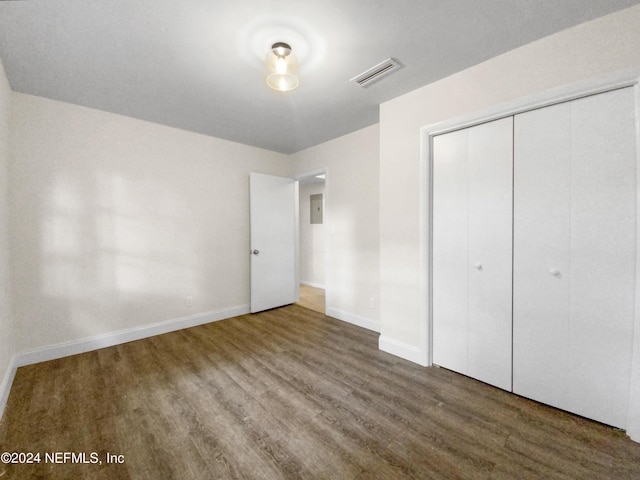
(554, 272)
(478, 266)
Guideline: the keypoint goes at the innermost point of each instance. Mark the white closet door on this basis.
(490, 252)
(451, 250)
(472, 240)
(574, 255)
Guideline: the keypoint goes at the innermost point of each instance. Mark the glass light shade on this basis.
(282, 81)
(281, 68)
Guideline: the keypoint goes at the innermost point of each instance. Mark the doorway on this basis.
(312, 238)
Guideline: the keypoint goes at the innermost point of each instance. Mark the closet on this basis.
(534, 241)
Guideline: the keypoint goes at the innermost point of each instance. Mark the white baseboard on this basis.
(403, 350)
(311, 284)
(7, 381)
(354, 319)
(123, 336)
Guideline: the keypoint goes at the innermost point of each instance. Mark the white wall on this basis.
(601, 46)
(115, 221)
(7, 344)
(312, 237)
(351, 216)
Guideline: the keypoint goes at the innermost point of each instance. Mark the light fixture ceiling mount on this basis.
(281, 68)
(281, 49)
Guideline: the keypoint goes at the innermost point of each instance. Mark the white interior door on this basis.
(273, 213)
(574, 255)
(472, 261)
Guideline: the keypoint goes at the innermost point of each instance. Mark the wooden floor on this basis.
(289, 393)
(312, 298)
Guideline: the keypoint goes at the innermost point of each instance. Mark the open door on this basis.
(273, 218)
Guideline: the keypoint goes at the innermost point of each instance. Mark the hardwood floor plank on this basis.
(312, 298)
(290, 394)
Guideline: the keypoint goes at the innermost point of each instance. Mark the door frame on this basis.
(325, 219)
(593, 86)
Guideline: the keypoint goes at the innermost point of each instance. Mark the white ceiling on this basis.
(198, 64)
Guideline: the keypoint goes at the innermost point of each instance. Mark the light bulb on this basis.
(281, 66)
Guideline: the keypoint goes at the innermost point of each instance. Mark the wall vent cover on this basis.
(376, 73)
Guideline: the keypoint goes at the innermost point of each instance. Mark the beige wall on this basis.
(589, 50)
(312, 237)
(115, 221)
(352, 220)
(7, 344)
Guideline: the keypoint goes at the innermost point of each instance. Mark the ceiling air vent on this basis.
(376, 73)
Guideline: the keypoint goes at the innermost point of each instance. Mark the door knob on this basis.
(255, 252)
(478, 266)
(555, 272)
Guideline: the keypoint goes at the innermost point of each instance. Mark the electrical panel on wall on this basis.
(316, 213)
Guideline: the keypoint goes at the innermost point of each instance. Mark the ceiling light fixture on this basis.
(281, 68)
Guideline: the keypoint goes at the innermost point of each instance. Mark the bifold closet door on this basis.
(472, 251)
(574, 255)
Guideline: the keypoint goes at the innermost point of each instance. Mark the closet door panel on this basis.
(450, 247)
(542, 213)
(576, 357)
(603, 227)
(490, 259)
(472, 236)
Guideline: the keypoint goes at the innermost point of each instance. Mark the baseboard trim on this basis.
(354, 319)
(311, 284)
(403, 350)
(123, 336)
(7, 381)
